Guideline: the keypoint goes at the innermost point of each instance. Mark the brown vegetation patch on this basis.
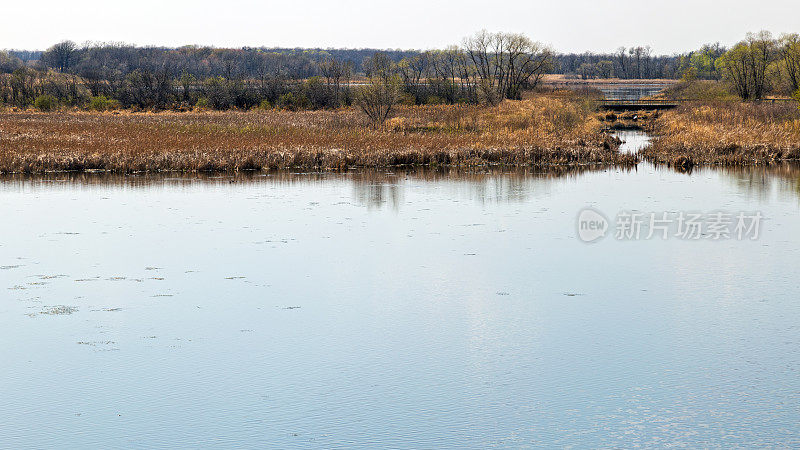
(541, 131)
(629, 120)
(726, 134)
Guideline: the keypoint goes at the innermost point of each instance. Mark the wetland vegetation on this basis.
(536, 132)
(289, 248)
(726, 133)
(497, 99)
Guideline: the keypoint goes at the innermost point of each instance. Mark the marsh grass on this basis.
(700, 90)
(534, 132)
(727, 134)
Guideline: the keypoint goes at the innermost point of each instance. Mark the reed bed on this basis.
(534, 132)
(728, 134)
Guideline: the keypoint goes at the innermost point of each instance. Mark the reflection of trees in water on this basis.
(378, 189)
(376, 194)
(760, 182)
(371, 187)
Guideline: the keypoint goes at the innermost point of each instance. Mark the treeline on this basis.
(626, 63)
(755, 67)
(488, 67)
(204, 62)
(105, 75)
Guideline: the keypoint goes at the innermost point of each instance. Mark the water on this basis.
(631, 91)
(395, 310)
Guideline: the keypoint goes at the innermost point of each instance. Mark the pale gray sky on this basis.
(567, 25)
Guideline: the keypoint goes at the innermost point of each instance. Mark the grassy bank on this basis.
(700, 90)
(726, 133)
(535, 132)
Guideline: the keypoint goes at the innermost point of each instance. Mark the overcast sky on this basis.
(567, 25)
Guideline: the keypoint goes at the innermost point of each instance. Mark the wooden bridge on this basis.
(633, 105)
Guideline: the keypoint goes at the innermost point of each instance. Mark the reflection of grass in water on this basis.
(761, 181)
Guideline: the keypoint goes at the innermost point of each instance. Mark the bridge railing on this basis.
(674, 101)
(660, 101)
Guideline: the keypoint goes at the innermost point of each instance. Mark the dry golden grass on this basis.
(536, 132)
(727, 134)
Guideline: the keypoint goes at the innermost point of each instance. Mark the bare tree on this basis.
(411, 71)
(336, 73)
(762, 49)
(271, 75)
(790, 52)
(60, 55)
(604, 69)
(148, 89)
(447, 77)
(746, 64)
(647, 54)
(622, 60)
(505, 63)
(9, 63)
(381, 93)
(379, 66)
(587, 71)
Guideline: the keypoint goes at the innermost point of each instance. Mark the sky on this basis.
(567, 25)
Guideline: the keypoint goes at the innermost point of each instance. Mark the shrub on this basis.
(265, 104)
(286, 101)
(378, 97)
(102, 103)
(293, 102)
(219, 93)
(45, 102)
(434, 100)
(202, 103)
(707, 90)
(404, 98)
(319, 96)
(797, 97)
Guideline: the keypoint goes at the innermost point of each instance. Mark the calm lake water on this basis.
(631, 91)
(395, 310)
